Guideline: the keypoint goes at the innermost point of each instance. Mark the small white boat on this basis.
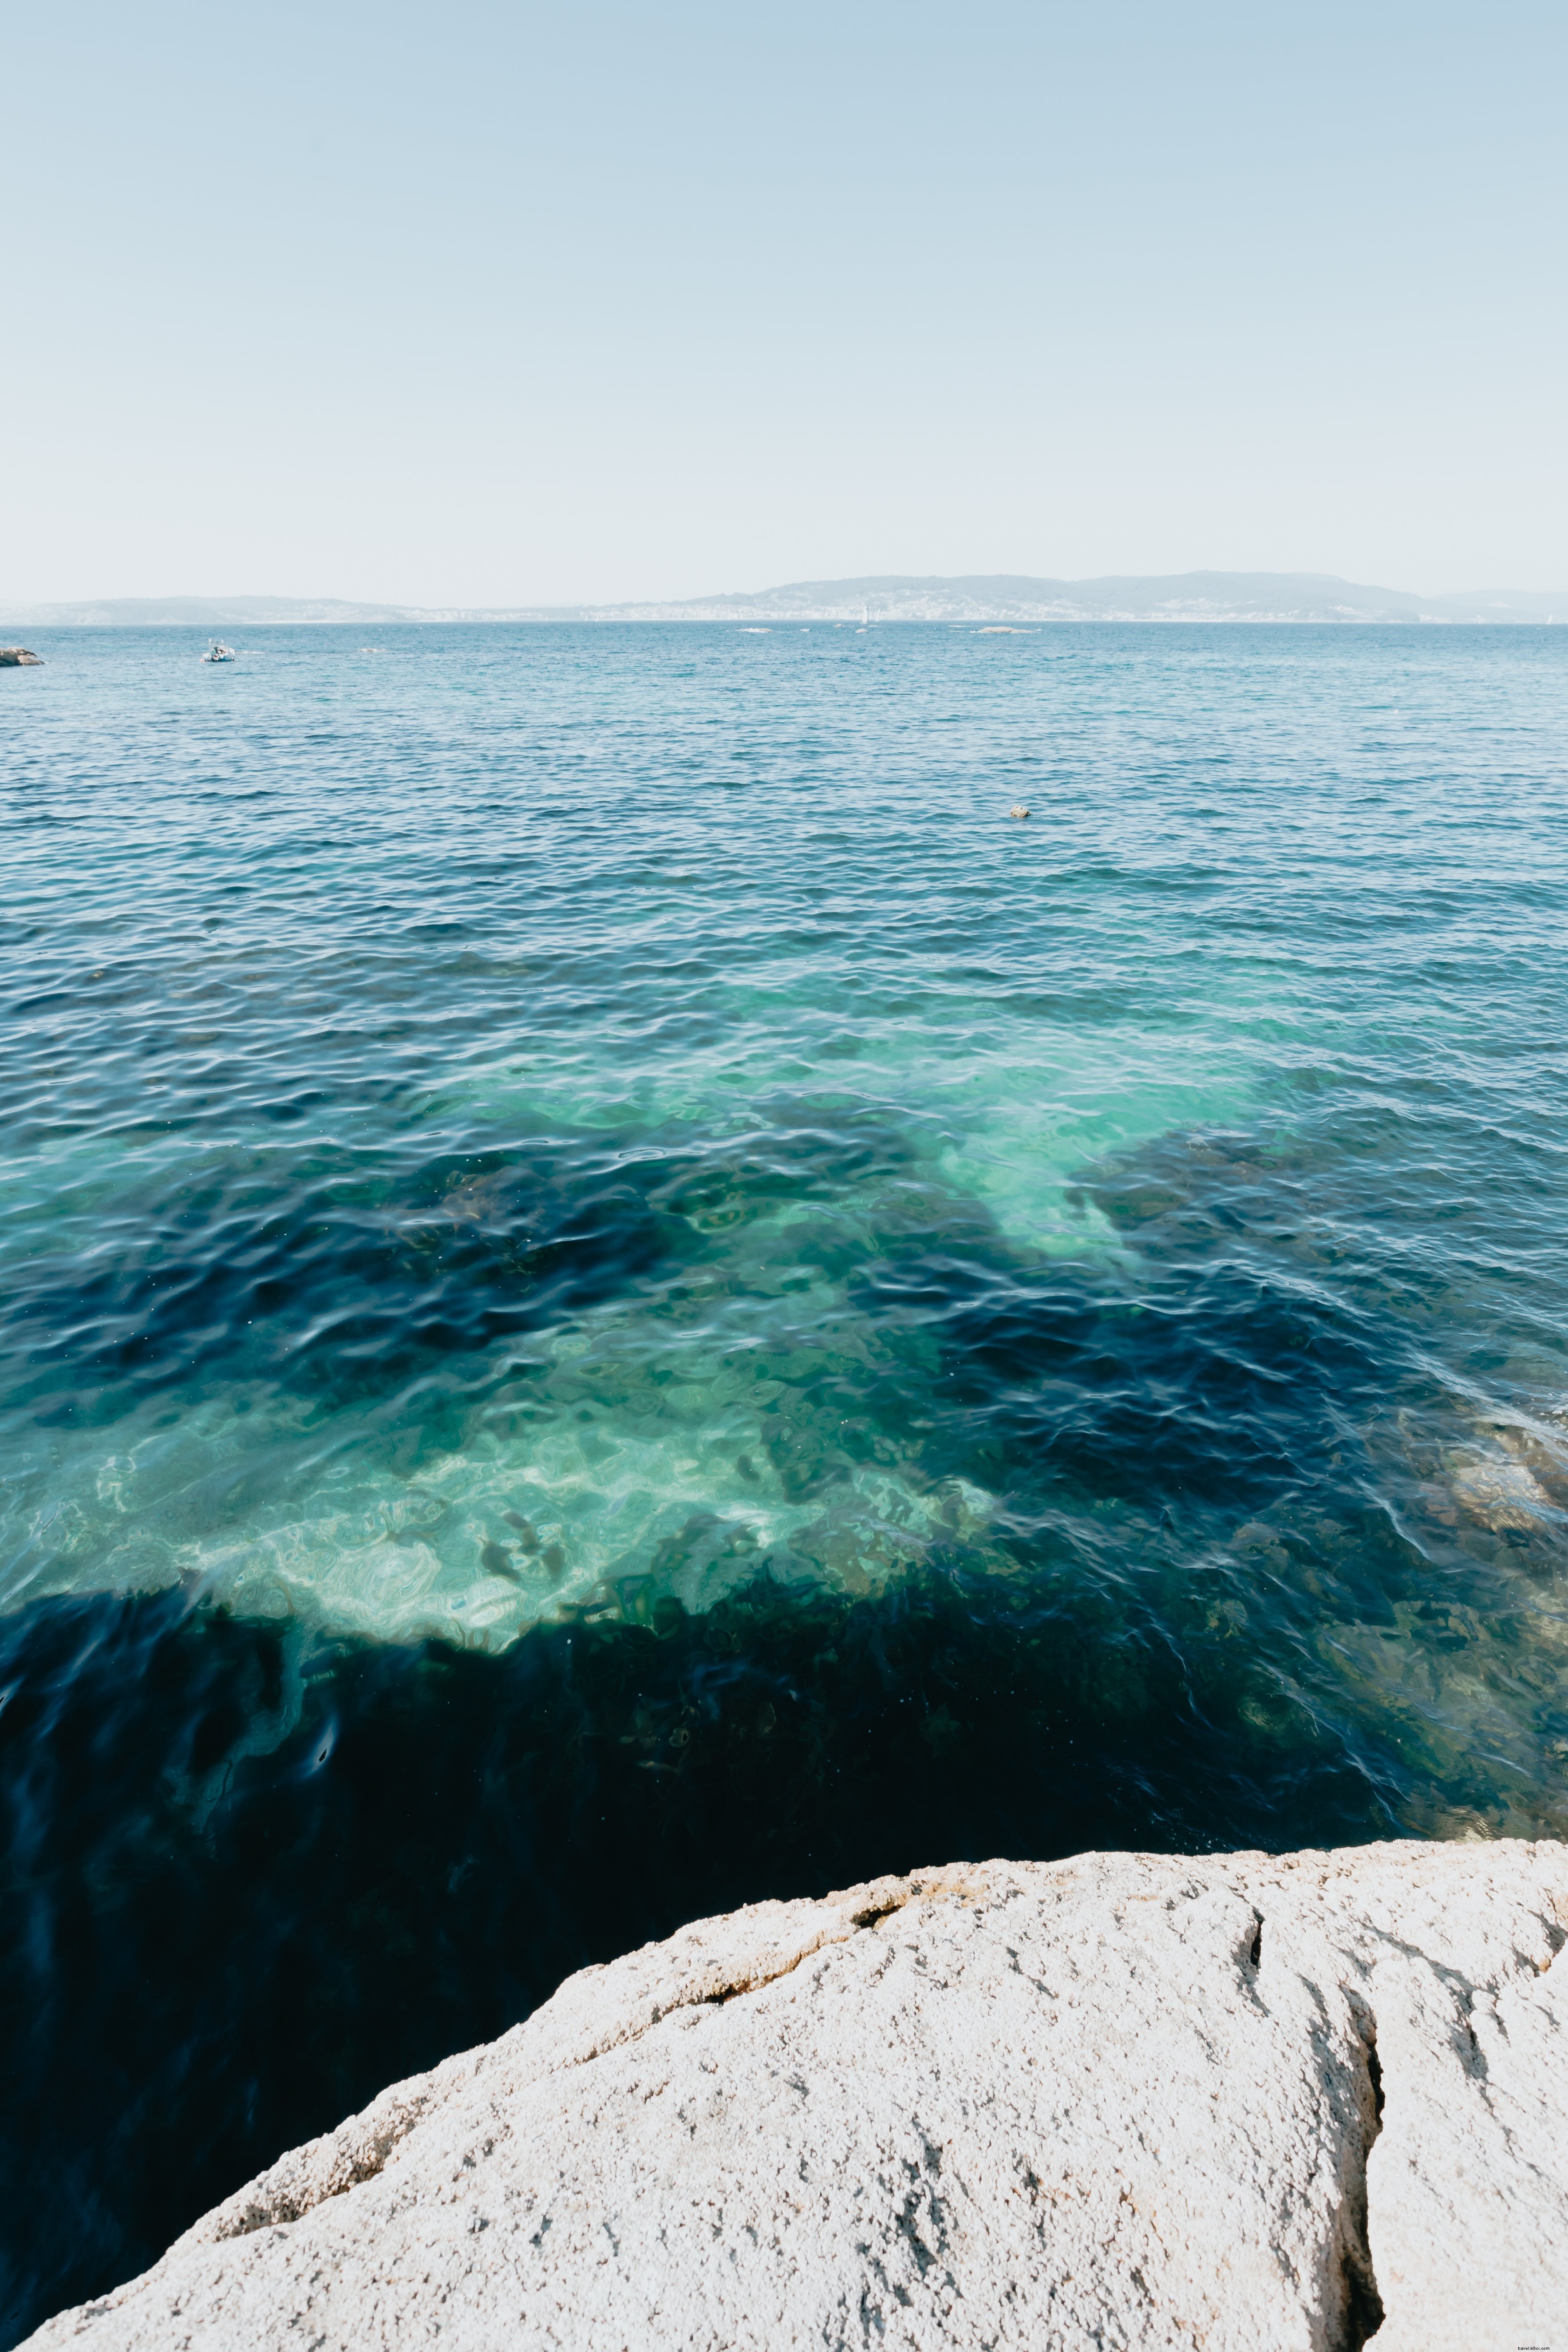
(218, 651)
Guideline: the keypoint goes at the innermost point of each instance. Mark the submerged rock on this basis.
(1234, 2100)
(18, 658)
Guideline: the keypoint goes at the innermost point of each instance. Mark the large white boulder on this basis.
(1236, 2101)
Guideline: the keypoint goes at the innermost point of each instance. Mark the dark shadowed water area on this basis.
(618, 1295)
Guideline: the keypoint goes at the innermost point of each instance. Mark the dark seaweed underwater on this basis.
(619, 1297)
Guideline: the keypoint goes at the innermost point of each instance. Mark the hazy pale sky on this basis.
(494, 304)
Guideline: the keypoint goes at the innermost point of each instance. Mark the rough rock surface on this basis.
(18, 658)
(1238, 2100)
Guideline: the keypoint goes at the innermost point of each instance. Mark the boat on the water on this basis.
(218, 651)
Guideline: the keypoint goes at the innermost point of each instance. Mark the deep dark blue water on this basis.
(616, 1295)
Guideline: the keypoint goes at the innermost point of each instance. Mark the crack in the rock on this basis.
(1362, 2312)
(875, 1911)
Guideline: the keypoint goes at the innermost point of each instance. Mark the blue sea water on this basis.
(618, 1293)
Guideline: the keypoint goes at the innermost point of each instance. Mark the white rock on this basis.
(1124, 2100)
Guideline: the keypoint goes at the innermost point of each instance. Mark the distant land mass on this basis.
(1004, 598)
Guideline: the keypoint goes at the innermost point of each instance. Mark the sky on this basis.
(508, 304)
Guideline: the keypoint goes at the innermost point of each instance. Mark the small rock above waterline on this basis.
(1018, 810)
(18, 658)
(1234, 2100)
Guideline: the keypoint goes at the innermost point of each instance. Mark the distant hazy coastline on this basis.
(992, 597)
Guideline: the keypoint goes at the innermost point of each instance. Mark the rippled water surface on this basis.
(617, 1295)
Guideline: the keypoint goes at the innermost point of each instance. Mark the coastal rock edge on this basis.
(1316, 2100)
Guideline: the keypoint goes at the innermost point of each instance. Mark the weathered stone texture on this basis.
(1234, 2102)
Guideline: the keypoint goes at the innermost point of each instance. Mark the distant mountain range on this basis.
(1002, 598)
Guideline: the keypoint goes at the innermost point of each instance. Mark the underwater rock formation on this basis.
(1234, 2100)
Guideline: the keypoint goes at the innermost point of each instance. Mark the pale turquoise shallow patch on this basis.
(568, 902)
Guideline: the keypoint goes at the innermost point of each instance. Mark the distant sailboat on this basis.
(218, 651)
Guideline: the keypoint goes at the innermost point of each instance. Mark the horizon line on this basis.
(954, 597)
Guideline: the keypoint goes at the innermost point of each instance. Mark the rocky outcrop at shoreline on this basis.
(1234, 2100)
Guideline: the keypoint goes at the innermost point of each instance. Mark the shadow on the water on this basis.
(250, 1883)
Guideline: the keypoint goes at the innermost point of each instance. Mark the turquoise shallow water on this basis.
(601, 1162)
